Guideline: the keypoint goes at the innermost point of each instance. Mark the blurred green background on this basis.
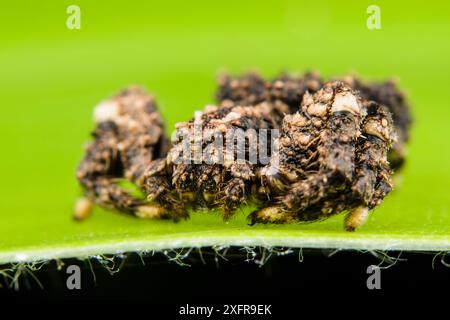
(51, 77)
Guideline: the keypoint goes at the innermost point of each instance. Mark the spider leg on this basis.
(336, 156)
(98, 173)
(164, 200)
(273, 214)
(209, 178)
(373, 173)
(356, 218)
(309, 197)
(235, 192)
(388, 94)
(128, 136)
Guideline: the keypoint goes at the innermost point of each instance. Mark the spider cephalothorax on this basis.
(332, 158)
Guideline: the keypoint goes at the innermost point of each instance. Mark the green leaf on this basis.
(51, 78)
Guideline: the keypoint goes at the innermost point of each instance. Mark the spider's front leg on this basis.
(389, 95)
(98, 173)
(373, 173)
(293, 205)
(164, 200)
(336, 166)
(235, 192)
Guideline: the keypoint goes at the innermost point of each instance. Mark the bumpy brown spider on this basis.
(332, 158)
(331, 155)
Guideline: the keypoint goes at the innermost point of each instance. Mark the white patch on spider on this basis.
(373, 128)
(106, 111)
(210, 108)
(232, 116)
(346, 102)
(198, 116)
(317, 109)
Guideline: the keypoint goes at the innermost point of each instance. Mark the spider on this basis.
(331, 155)
(332, 158)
